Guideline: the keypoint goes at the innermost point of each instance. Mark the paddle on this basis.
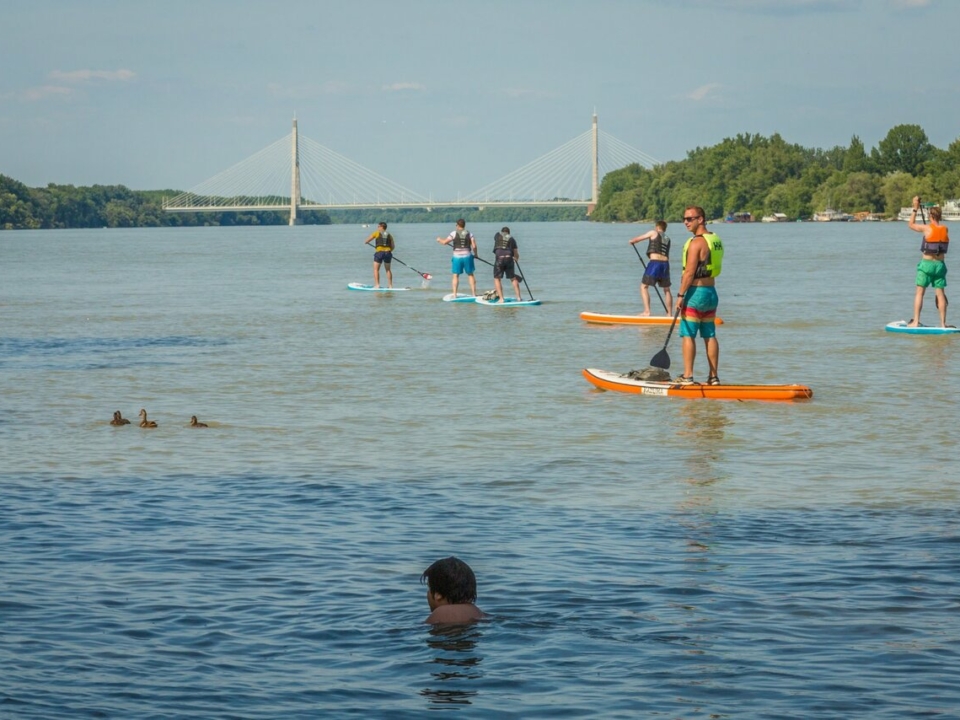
(517, 263)
(936, 300)
(662, 359)
(662, 301)
(425, 276)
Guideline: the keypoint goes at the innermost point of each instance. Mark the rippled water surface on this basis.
(639, 556)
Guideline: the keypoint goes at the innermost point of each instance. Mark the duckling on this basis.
(194, 423)
(144, 423)
(119, 419)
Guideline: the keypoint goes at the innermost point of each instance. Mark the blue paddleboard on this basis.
(459, 297)
(900, 326)
(507, 302)
(371, 288)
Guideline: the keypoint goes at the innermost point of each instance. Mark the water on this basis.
(640, 557)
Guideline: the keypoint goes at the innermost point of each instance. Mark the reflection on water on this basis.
(702, 430)
(455, 653)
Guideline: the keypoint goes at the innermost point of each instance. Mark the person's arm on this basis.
(473, 245)
(689, 264)
(445, 240)
(914, 225)
(370, 239)
(646, 236)
(393, 244)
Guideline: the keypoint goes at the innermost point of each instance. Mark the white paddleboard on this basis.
(507, 302)
(371, 288)
(900, 326)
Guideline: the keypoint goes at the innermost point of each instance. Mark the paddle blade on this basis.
(427, 276)
(661, 360)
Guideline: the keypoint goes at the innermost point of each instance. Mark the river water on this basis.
(638, 556)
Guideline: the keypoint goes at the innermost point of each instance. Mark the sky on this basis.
(443, 96)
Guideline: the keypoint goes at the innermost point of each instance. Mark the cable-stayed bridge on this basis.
(296, 173)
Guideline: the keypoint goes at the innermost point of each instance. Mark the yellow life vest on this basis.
(714, 262)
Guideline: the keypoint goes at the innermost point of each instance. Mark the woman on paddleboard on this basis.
(382, 253)
(932, 268)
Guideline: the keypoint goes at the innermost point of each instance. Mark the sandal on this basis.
(713, 380)
(684, 380)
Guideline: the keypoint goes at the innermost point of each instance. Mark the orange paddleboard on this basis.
(605, 319)
(618, 382)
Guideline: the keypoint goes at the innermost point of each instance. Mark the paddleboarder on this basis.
(464, 251)
(383, 253)
(657, 271)
(697, 299)
(507, 254)
(932, 268)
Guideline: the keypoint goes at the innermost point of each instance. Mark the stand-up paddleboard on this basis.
(371, 288)
(618, 382)
(900, 326)
(605, 319)
(507, 302)
(459, 297)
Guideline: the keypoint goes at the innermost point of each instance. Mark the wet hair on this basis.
(461, 223)
(505, 230)
(661, 225)
(935, 214)
(383, 225)
(451, 578)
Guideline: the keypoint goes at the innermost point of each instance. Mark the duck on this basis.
(144, 423)
(118, 419)
(194, 423)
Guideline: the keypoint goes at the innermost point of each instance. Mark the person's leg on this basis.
(376, 274)
(645, 296)
(473, 283)
(942, 303)
(516, 287)
(498, 286)
(712, 348)
(917, 306)
(689, 355)
(668, 300)
(386, 266)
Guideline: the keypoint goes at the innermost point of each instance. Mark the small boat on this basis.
(619, 382)
(605, 319)
(831, 215)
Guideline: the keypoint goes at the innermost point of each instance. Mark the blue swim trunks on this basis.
(699, 313)
(383, 256)
(462, 265)
(657, 273)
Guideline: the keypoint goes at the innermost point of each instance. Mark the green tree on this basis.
(904, 149)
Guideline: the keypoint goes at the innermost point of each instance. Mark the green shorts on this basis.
(932, 272)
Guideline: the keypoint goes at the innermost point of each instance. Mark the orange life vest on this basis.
(936, 243)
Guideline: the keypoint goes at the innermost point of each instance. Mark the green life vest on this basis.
(714, 262)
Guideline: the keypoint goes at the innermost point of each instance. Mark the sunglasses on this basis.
(691, 218)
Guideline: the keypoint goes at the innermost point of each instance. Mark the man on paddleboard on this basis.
(383, 253)
(507, 253)
(464, 251)
(657, 271)
(697, 299)
(932, 268)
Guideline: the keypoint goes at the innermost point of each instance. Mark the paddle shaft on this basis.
(425, 276)
(662, 358)
(662, 301)
(523, 277)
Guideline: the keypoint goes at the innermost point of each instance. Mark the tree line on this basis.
(766, 175)
(116, 206)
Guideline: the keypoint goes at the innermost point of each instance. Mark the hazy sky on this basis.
(448, 95)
